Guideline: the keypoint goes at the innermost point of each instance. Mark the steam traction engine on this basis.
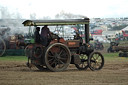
(60, 53)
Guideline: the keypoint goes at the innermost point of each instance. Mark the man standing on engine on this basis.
(45, 33)
(37, 35)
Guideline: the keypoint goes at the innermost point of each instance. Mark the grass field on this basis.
(13, 58)
(113, 56)
(107, 56)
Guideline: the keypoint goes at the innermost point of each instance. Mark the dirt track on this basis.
(16, 73)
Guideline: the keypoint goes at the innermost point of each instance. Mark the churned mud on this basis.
(16, 73)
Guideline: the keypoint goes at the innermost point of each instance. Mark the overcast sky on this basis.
(89, 8)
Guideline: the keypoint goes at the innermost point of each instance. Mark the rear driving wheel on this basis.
(2, 47)
(57, 57)
(84, 64)
(96, 61)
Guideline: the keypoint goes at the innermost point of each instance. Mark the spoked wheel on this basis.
(84, 63)
(57, 57)
(2, 47)
(96, 61)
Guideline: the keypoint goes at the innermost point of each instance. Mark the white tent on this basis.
(126, 28)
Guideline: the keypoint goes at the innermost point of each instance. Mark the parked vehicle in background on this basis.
(98, 45)
(111, 47)
(125, 34)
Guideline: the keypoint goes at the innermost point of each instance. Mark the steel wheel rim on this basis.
(84, 64)
(57, 61)
(96, 61)
(2, 47)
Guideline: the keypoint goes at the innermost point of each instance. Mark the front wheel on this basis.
(96, 61)
(83, 65)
